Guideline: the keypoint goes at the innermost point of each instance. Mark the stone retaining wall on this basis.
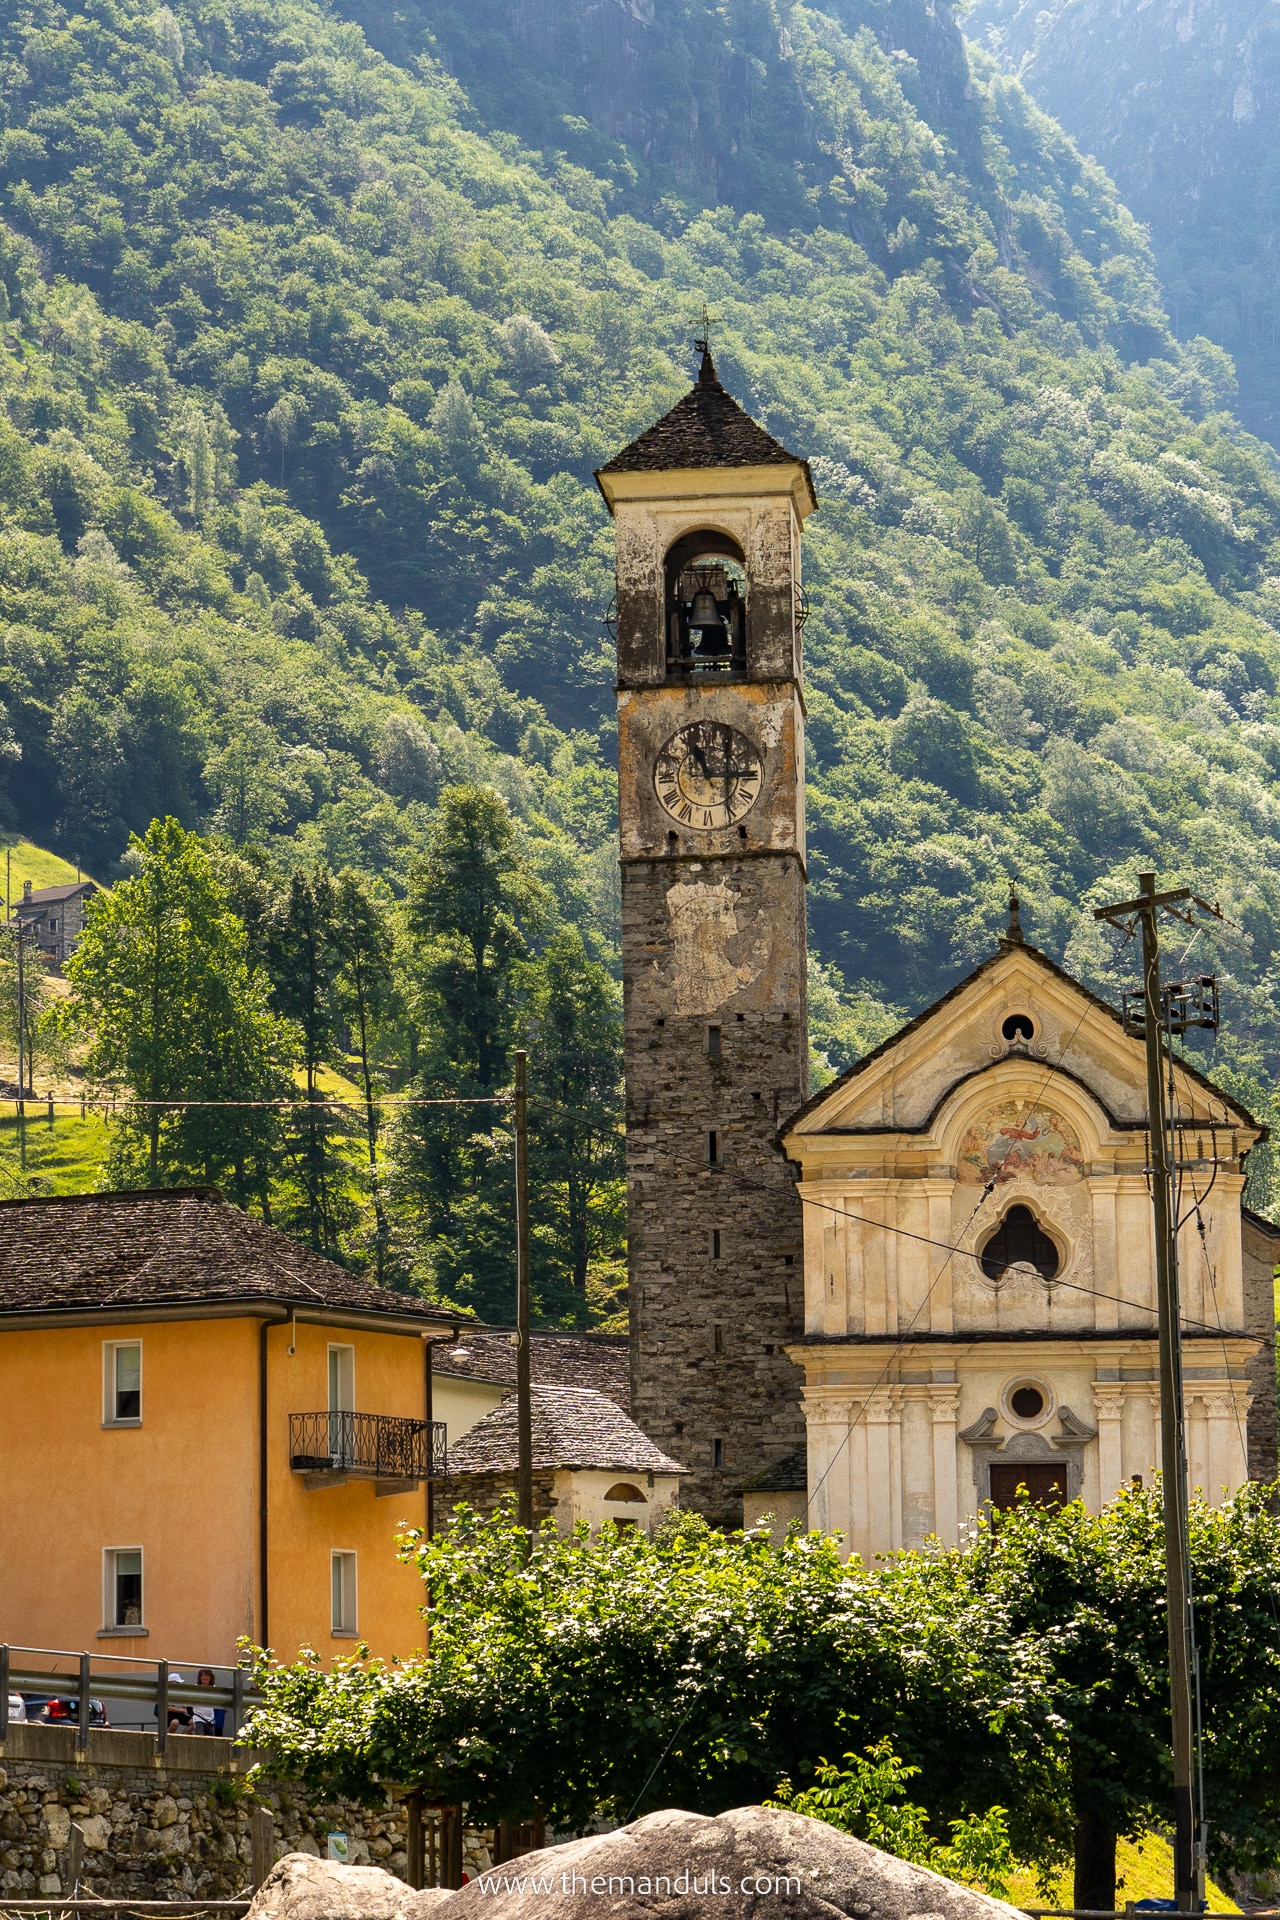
(160, 1826)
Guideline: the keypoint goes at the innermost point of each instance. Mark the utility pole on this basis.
(21, 938)
(1172, 1009)
(524, 1374)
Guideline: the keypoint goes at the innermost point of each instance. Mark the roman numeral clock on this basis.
(708, 511)
(707, 775)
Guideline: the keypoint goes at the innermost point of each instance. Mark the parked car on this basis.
(17, 1708)
(55, 1710)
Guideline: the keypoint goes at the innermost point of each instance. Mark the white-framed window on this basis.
(122, 1383)
(342, 1590)
(122, 1586)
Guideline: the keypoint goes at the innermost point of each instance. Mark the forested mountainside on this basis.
(310, 350)
(1179, 104)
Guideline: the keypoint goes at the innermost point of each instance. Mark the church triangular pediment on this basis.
(974, 1043)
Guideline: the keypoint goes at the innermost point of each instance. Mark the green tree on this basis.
(1090, 1588)
(303, 958)
(175, 1015)
(244, 779)
(612, 1675)
(473, 907)
(364, 939)
(573, 1027)
(31, 1015)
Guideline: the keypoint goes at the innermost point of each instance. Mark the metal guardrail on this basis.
(110, 1676)
(375, 1446)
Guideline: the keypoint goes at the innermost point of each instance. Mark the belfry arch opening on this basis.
(705, 606)
(1020, 1240)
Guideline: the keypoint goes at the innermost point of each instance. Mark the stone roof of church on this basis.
(601, 1361)
(706, 429)
(1007, 945)
(572, 1427)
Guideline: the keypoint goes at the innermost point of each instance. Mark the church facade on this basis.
(881, 1308)
(980, 1304)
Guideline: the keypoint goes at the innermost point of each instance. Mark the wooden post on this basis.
(262, 1837)
(451, 1846)
(414, 1851)
(75, 1858)
(237, 1702)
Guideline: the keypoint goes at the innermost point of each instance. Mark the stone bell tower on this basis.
(708, 511)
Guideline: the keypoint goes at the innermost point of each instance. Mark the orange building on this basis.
(206, 1432)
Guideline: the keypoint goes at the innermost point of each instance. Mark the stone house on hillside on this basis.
(54, 916)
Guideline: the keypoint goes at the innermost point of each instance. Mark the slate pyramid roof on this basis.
(706, 429)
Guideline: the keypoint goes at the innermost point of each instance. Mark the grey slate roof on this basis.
(170, 1247)
(572, 1427)
(706, 429)
(51, 896)
(790, 1474)
(601, 1361)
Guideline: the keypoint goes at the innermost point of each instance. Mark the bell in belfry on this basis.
(712, 642)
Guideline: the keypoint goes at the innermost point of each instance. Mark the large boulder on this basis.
(300, 1887)
(673, 1866)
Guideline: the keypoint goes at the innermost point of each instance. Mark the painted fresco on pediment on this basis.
(1014, 1141)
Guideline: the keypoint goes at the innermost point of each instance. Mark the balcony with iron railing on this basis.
(328, 1449)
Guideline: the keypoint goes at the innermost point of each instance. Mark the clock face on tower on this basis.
(707, 775)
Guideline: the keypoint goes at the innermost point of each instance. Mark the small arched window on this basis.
(623, 1490)
(1019, 1240)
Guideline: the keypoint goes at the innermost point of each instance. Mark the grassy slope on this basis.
(1144, 1872)
(25, 861)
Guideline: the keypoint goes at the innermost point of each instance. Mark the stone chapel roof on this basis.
(572, 1427)
(167, 1249)
(706, 429)
(789, 1474)
(601, 1361)
(1013, 942)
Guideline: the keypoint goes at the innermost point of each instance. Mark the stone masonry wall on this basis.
(160, 1831)
(1260, 1248)
(711, 1317)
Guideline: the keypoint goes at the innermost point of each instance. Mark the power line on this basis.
(116, 1101)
